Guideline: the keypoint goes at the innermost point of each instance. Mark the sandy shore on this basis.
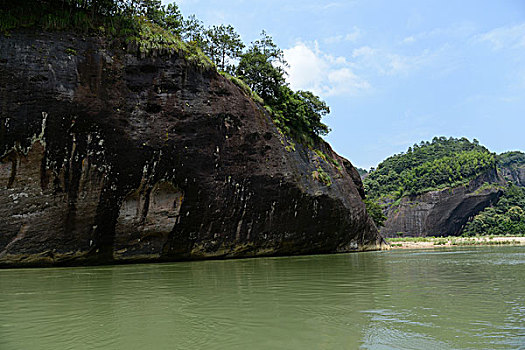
(439, 242)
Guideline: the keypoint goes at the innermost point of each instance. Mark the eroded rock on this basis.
(106, 157)
(443, 212)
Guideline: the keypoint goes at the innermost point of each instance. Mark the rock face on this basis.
(515, 174)
(106, 157)
(444, 212)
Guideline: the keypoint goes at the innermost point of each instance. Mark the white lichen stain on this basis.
(16, 196)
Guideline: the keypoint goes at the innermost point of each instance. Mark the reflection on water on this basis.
(463, 298)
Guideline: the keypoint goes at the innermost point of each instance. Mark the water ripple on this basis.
(451, 299)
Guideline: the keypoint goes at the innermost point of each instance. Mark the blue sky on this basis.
(396, 72)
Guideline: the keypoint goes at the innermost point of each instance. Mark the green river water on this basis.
(463, 298)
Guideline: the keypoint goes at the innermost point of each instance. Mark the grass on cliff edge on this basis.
(137, 33)
(143, 36)
(243, 86)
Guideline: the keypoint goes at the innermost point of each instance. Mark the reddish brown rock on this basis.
(443, 212)
(106, 157)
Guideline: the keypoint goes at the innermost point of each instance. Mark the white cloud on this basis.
(505, 37)
(331, 5)
(352, 36)
(325, 75)
(387, 63)
(365, 51)
(458, 31)
(409, 40)
(319, 6)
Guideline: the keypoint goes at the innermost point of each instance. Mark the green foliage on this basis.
(223, 45)
(506, 217)
(257, 70)
(151, 29)
(173, 20)
(151, 9)
(428, 166)
(153, 37)
(244, 87)
(327, 158)
(269, 49)
(193, 30)
(375, 211)
(309, 110)
(512, 160)
(71, 52)
(194, 54)
(322, 176)
(297, 113)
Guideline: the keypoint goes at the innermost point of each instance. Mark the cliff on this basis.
(515, 175)
(442, 212)
(512, 167)
(107, 158)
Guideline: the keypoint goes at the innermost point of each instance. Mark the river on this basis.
(461, 298)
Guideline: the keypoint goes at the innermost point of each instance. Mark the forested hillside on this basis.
(507, 216)
(150, 28)
(511, 160)
(428, 166)
(449, 163)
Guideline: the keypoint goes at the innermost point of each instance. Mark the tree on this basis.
(153, 10)
(261, 67)
(222, 45)
(311, 110)
(193, 30)
(375, 211)
(297, 113)
(256, 70)
(269, 49)
(173, 20)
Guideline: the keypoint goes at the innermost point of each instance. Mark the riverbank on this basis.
(438, 242)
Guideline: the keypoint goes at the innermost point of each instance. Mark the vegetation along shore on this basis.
(439, 242)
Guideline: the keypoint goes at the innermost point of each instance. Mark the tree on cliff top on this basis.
(297, 113)
(150, 26)
(223, 44)
(257, 70)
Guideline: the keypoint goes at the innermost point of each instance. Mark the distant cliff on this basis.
(442, 212)
(512, 167)
(437, 187)
(107, 157)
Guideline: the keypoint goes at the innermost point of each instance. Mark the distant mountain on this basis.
(362, 172)
(443, 187)
(428, 166)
